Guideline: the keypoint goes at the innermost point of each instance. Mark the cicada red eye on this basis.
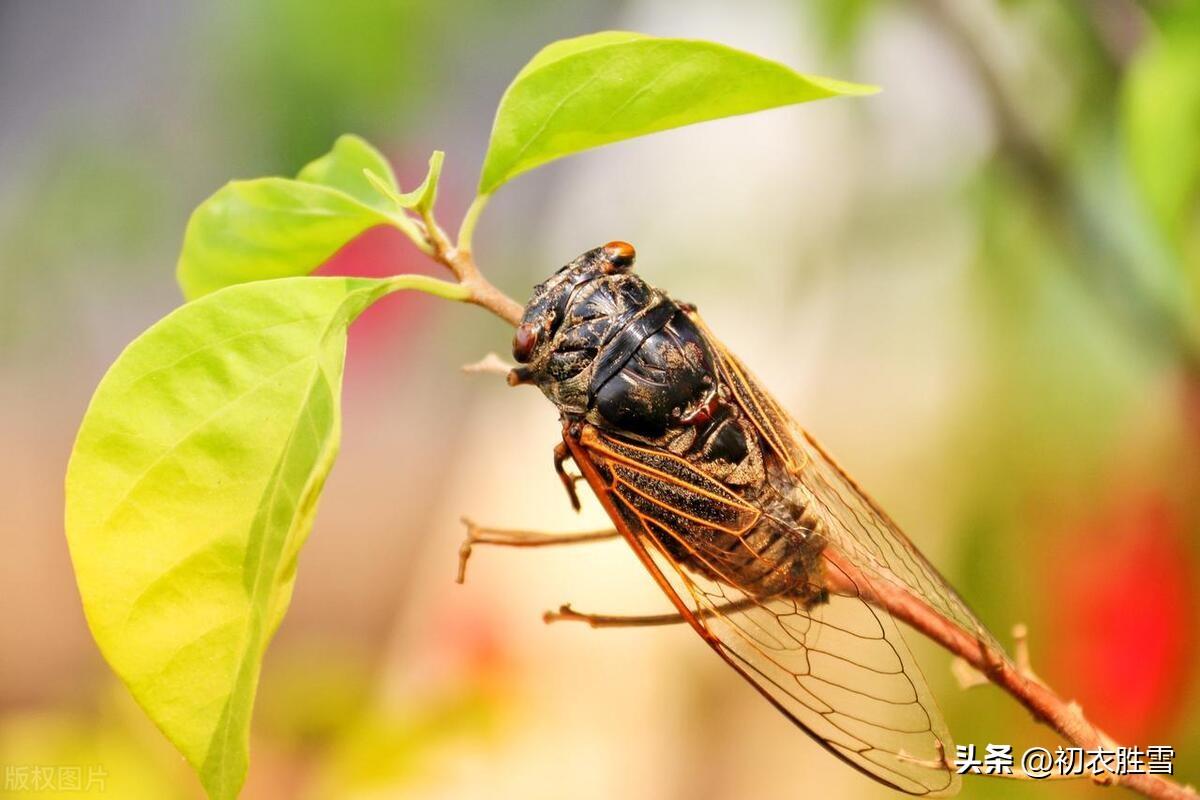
(620, 255)
(524, 341)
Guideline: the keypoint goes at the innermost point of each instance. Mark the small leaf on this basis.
(342, 168)
(593, 90)
(380, 185)
(426, 193)
(276, 228)
(191, 488)
(422, 198)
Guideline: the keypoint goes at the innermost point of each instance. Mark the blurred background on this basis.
(978, 288)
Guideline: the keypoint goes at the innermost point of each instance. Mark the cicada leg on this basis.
(561, 454)
(515, 538)
(567, 614)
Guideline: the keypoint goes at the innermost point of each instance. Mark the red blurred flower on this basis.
(1122, 612)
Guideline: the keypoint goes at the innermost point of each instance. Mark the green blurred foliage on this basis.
(297, 75)
(90, 205)
(405, 746)
(1062, 373)
(290, 77)
(842, 21)
(321, 708)
(112, 751)
(1161, 105)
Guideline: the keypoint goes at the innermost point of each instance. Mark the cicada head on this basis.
(570, 316)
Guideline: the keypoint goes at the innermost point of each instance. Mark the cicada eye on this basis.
(524, 341)
(619, 256)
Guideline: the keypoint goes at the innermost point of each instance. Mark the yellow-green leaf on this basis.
(267, 228)
(342, 168)
(593, 90)
(192, 486)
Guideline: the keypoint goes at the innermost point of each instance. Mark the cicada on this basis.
(762, 543)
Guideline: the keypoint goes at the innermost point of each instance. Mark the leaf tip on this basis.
(848, 88)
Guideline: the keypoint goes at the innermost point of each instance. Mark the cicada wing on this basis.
(868, 538)
(854, 523)
(837, 668)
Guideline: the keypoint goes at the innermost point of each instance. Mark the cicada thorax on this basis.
(631, 362)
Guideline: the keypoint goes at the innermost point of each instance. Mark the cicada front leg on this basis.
(561, 454)
(520, 538)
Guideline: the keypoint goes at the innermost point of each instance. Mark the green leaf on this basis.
(191, 488)
(276, 228)
(267, 228)
(568, 47)
(593, 90)
(342, 168)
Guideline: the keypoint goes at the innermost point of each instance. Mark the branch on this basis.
(461, 263)
(1046, 706)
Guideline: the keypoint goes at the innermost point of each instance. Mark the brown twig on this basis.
(460, 261)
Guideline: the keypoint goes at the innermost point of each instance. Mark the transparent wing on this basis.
(839, 670)
(853, 522)
(836, 666)
(872, 542)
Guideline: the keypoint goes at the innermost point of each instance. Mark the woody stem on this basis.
(459, 260)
